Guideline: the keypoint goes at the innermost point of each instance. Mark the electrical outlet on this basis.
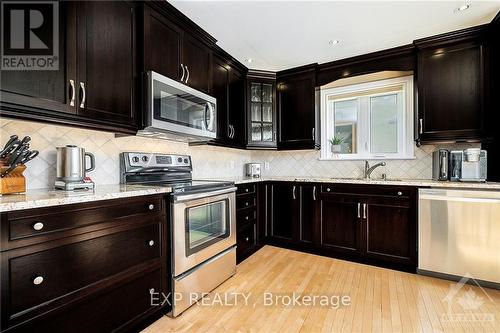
(267, 166)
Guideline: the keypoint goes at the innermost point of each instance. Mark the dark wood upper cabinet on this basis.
(296, 89)
(261, 109)
(236, 106)
(196, 61)
(220, 90)
(162, 44)
(451, 85)
(49, 91)
(106, 61)
(172, 47)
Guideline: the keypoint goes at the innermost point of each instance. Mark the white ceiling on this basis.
(284, 34)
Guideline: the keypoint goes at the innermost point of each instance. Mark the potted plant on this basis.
(336, 144)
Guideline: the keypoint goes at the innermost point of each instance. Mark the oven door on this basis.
(203, 225)
(178, 108)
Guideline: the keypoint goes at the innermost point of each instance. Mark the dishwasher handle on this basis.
(458, 199)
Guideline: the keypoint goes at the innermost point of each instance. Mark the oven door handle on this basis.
(179, 197)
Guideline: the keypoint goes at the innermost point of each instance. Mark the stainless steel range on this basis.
(202, 223)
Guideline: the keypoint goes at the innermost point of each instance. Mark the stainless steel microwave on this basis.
(176, 111)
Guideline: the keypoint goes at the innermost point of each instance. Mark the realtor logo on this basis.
(30, 35)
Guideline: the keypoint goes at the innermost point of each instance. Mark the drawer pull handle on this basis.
(247, 239)
(38, 226)
(151, 207)
(38, 280)
(328, 189)
(151, 243)
(247, 218)
(247, 203)
(246, 190)
(400, 193)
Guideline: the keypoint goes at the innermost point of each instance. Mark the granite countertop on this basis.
(50, 197)
(393, 182)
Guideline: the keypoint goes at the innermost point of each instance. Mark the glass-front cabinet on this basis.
(261, 113)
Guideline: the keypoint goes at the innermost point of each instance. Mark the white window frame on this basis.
(406, 145)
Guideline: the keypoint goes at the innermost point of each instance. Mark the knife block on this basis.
(14, 182)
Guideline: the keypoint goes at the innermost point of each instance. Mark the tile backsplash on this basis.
(208, 161)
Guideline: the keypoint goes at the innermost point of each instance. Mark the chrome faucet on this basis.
(369, 170)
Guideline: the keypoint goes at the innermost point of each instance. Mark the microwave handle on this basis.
(209, 116)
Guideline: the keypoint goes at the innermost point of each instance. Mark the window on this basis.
(371, 120)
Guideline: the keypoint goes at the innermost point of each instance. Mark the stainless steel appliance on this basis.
(202, 223)
(176, 111)
(71, 168)
(440, 161)
(252, 170)
(459, 234)
(469, 165)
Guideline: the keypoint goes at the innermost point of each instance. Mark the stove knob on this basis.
(145, 158)
(179, 160)
(135, 159)
(186, 161)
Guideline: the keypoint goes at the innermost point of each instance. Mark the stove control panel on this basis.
(158, 161)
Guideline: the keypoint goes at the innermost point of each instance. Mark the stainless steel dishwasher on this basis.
(459, 234)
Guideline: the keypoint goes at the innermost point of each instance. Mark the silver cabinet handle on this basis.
(38, 226)
(294, 190)
(183, 73)
(247, 217)
(38, 280)
(151, 243)
(313, 133)
(151, 207)
(247, 239)
(328, 189)
(73, 93)
(314, 193)
(359, 210)
(421, 126)
(82, 103)
(364, 211)
(247, 189)
(187, 75)
(400, 193)
(234, 132)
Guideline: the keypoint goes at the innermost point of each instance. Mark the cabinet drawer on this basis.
(43, 276)
(245, 239)
(246, 215)
(105, 312)
(246, 188)
(246, 201)
(43, 221)
(382, 190)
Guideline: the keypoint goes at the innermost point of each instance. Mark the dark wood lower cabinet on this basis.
(339, 224)
(367, 223)
(87, 267)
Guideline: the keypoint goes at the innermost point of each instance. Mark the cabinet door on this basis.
(196, 59)
(162, 45)
(284, 210)
(236, 106)
(390, 229)
(106, 61)
(220, 90)
(308, 196)
(261, 105)
(339, 223)
(50, 91)
(450, 104)
(296, 110)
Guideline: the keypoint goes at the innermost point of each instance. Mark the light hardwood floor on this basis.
(382, 300)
